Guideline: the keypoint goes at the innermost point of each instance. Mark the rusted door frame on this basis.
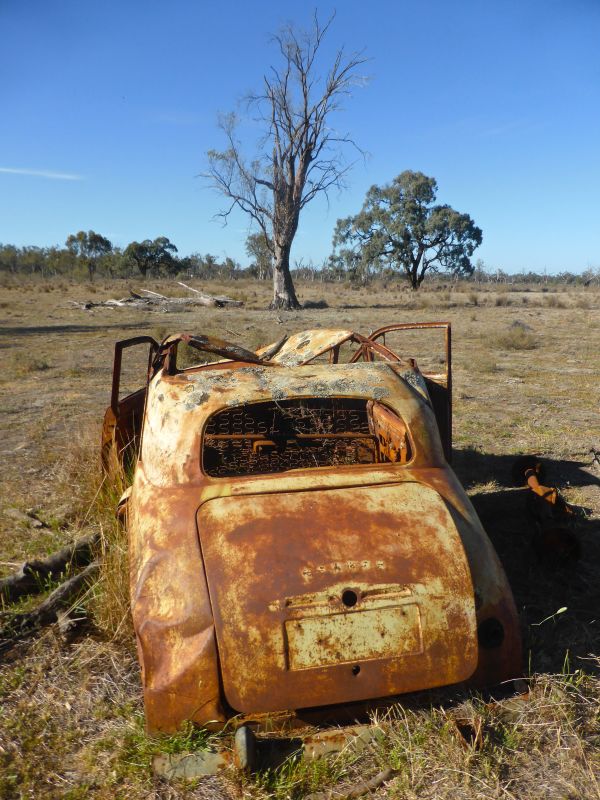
(445, 326)
(116, 379)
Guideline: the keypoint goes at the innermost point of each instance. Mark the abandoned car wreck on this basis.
(298, 539)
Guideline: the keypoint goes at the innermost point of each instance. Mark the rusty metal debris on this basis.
(551, 515)
(250, 752)
(297, 538)
(468, 730)
(471, 727)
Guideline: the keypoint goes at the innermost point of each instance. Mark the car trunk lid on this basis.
(334, 596)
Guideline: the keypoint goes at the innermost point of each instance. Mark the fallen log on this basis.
(212, 300)
(47, 611)
(32, 574)
(159, 302)
(151, 293)
(356, 791)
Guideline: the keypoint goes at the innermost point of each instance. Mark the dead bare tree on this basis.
(300, 154)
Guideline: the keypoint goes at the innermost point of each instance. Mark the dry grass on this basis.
(517, 337)
(525, 377)
(94, 500)
(521, 754)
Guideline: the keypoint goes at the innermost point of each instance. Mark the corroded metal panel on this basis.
(300, 348)
(171, 609)
(352, 637)
(278, 564)
(178, 407)
(390, 433)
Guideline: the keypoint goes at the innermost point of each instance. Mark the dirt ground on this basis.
(525, 373)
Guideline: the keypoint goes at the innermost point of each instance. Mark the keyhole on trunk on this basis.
(349, 598)
(355, 669)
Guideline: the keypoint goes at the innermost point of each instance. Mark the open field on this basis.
(526, 367)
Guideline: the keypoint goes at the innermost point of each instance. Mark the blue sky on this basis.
(107, 110)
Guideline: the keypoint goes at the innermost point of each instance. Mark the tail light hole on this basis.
(490, 633)
(349, 598)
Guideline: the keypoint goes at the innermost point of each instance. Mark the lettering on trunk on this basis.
(336, 567)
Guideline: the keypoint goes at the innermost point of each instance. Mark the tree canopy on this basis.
(89, 247)
(299, 152)
(150, 256)
(260, 249)
(401, 228)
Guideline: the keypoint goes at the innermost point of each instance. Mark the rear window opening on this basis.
(277, 436)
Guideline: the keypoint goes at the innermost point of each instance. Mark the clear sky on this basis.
(108, 108)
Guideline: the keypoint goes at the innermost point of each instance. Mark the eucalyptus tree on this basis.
(299, 155)
(259, 248)
(400, 227)
(89, 247)
(152, 255)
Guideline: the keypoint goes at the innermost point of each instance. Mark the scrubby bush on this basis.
(518, 337)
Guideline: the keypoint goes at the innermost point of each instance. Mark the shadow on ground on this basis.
(474, 467)
(37, 330)
(552, 642)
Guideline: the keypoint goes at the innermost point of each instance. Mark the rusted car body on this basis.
(297, 537)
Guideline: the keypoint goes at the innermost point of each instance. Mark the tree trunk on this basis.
(411, 274)
(284, 295)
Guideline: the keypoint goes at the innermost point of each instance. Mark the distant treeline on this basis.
(87, 255)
